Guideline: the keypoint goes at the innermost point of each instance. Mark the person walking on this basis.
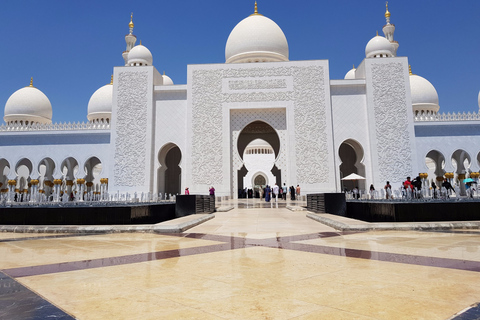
(275, 192)
(285, 191)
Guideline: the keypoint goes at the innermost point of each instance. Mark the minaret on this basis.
(388, 31)
(130, 39)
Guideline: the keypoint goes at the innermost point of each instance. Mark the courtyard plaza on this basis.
(256, 261)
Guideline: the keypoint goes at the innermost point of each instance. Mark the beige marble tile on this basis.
(48, 251)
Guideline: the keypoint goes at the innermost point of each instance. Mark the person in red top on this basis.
(187, 191)
(408, 184)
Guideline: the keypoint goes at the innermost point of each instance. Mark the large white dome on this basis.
(379, 47)
(140, 56)
(424, 96)
(28, 105)
(100, 104)
(256, 39)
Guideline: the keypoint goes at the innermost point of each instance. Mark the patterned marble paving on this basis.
(277, 264)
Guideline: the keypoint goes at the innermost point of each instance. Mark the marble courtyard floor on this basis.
(253, 262)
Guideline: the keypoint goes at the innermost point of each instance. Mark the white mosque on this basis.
(256, 119)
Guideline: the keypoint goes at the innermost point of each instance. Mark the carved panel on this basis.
(311, 145)
(391, 121)
(307, 92)
(207, 153)
(131, 125)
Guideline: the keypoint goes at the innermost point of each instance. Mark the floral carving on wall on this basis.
(391, 121)
(131, 125)
(310, 110)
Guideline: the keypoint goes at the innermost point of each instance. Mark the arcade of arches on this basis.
(32, 180)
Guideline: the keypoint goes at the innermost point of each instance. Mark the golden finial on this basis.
(163, 72)
(354, 66)
(387, 14)
(111, 79)
(130, 25)
(377, 33)
(140, 42)
(31, 82)
(255, 12)
(410, 70)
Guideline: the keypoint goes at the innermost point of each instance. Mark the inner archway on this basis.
(169, 174)
(258, 146)
(351, 157)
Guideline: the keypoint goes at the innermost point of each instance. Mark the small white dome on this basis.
(350, 74)
(256, 39)
(100, 104)
(424, 96)
(140, 56)
(28, 105)
(379, 46)
(167, 81)
(259, 143)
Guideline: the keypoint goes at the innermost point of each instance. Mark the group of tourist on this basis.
(413, 189)
(276, 192)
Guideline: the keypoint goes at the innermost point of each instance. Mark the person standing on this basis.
(297, 192)
(285, 191)
(372, 192)
(434, 188)
(187, 191)
(275, 192)
(292, 193)
(212, 191)
(388, 190)
(267, 193)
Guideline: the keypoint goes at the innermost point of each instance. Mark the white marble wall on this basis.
(390, 119)
(301, 88)
(132, 130)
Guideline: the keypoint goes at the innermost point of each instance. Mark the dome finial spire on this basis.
(130, 25)
(410, 70)
(31, 82)
(111, 79)
(255, 12)
(387, 13)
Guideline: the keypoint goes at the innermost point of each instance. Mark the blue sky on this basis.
(71, 47)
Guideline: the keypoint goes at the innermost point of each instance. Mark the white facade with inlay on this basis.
(257, 118)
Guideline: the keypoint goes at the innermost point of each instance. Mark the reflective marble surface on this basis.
(249, 263)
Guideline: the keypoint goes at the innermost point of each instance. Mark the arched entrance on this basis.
(93, 168)
(259, 182)
(461, 163)
(4, 171)
(46, 169)
(351, 157)
(23, 169)
(169, 174)
(258, 145)
(435, 162)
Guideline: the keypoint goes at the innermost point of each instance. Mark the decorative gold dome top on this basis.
(387, 13)
(130, 25)
(255, 12)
